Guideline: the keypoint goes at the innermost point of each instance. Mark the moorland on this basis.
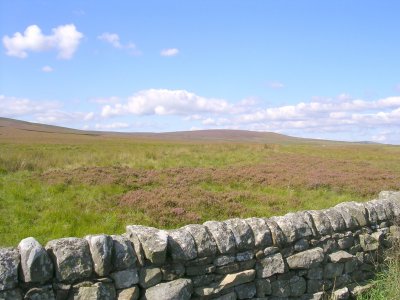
(57, 182)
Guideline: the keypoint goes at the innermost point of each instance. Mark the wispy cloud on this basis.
(64, 39)
(169, 52)
(275, 84)
(114, 40)
(47, 69)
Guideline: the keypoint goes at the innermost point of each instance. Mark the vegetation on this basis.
(55, 184)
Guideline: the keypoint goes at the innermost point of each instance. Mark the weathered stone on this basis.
(350, 266)
(376, 211)
(200, 270)
(357, 290)
(123, 254)
(315, 273)
(346, 242)
(222, 235)
(332, 270)
(71, 259)
(101, 251)
(131, 293)
(181, 245)
(125, 279)
(246, 291)
(149, 276)
(278, 237)
(342, 280)
(301, 245)
(329, 245)
(336, 219)
(340, 257)
(321, 221)
(243, 256)
(204, 242)
(242, 232)
(14, 294)
(270, 265)
(202, 280)
(199, 261)
(293, 226)
(97, 291)
(248, 264)
(368, 242)
(230, 268)
(357, 212)
(40, 293)
(263, 287)
(298, 286)
(180, 289)
(228, 296)
(316, 296)
(153, 242)
(315, 286)
(306, 259)
(281, 288)
(224, 260)
(172, 271)
(341, 294)
(228, 281)
(9, 261)
(261, 232)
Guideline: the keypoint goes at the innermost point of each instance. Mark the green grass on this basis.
(185, 183)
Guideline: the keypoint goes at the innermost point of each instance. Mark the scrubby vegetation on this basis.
(74, 186)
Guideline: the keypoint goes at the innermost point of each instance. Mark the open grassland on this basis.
(55, 185)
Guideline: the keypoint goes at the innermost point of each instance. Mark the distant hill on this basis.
(20, 131)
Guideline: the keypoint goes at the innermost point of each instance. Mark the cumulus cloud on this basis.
(169, 52)
(47, 69)
(167, 102)
(64, 39)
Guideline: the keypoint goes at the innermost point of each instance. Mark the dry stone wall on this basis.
(302, 255)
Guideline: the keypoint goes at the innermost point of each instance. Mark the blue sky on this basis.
(321, 69)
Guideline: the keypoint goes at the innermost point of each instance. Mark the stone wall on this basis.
(302, 255)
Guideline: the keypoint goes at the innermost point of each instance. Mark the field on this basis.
(57, 182)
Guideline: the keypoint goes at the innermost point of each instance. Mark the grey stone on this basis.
(229, 296)
(315, 286)
(204, 242)
(293, 226)
(97, 291)
(376, 211)
(357, 212)
(248, 264)
(131, 293)
(123, 254)
(222, 235)
(230, 268)
(316, 296)
(315, 273)
(270, 250)
(341, 294)
(172, 271)
(263, 287)
(199, 261)
(301, 245)
(36, 264)
(332, 270)
(271, 265)
(202, 280)
(306, 259)
(242, 232)
(368, 242)
(227, 282)
(342, 280)
(298, 286)
(340, 257)
(149, 276)
(181, 245)
(9, 261)
(101, 250)
(200, 270)
(357, 290)
(153, 242)
(243, 256)
(336, 219)
(14, 294)
(321, 222)
(261, 232)
(246, 291)
(346, 242)
(40, 293)
(125, 279)
(350, 266)
(281, 288)
(71, 259)
(278, 237)
(224, 260)
(180, 289)
(329, 245)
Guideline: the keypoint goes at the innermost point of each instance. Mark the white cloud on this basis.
(47, 69)
(167, 102)
(116, 125)
(114, 40)
(64, 39)
(109, 100)
(169, 52)
(276, 85)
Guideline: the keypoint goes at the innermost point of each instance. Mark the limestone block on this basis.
(242, 233)
(14, 294)
(271, 265)
(298, 286)
(172, 271)
(131, 293)
(123, 254)
(223, 260)
(368, 242)
(40, 293)
(125, 279)
(306, 259)
(341, 257)
(321, 221)
(341, 294)
(101, 246)
(332, 270)
(278, 237)
(356, 211)
(246, 291)
(222, 235)
(180, 289)
(336, 219)
(9, 261)
(149, 276)
(71, 259)
(261, 232)
(97, 291)
(181, 245)
(204, 242)
(281, 288)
